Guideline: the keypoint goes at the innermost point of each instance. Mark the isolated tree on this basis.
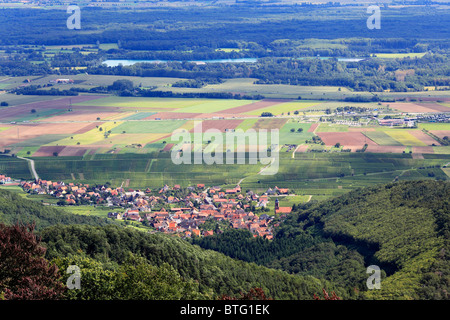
(122, 85)
(24, 272)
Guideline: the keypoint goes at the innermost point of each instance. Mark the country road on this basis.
(259, 172)
(30, 165)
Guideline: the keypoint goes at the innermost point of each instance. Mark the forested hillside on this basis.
(123, 263)
(215, 273)
(15, 209)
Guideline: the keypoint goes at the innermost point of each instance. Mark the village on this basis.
(175, 210)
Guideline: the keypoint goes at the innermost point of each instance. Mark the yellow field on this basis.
(399, 55)
(131, 138)
(442, 150)
(90, 137)
(404, 138)
(432, 88)
(120, 116)
(188, 125)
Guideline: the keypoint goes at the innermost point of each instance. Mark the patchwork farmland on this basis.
(102, 138)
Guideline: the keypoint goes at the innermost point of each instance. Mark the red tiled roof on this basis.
(284, 210)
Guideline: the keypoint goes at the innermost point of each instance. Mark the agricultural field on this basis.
(381, 138)
(398, 55)
(419, 107)
(89, 124)
(127, 141)
(248, 86)
(313, 174)
(296, 137)
(284, 107)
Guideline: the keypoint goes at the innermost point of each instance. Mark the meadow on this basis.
(248, 86)
(399, 55)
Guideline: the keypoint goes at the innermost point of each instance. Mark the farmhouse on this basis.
(396, 122)
(4, 179)
(65, 81)
(281, 190)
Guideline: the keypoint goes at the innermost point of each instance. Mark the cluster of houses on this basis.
(175, 210)
(406, 122)
(434, 117)
(4, 179)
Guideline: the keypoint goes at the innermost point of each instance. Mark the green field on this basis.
(153, 126)
(41, 140)
(23, 152)
(288, 137)
(168, 104)
(14, 100)
(248, 86)
(326, 127)
(97, 211)
(434, 126)
(218, 105)
(90, 137)
(247, 124)
(139, 116)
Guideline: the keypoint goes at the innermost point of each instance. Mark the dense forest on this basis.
(373, 75)
(295, 45)
(181, 28)
(123, 263)
(401, 227)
